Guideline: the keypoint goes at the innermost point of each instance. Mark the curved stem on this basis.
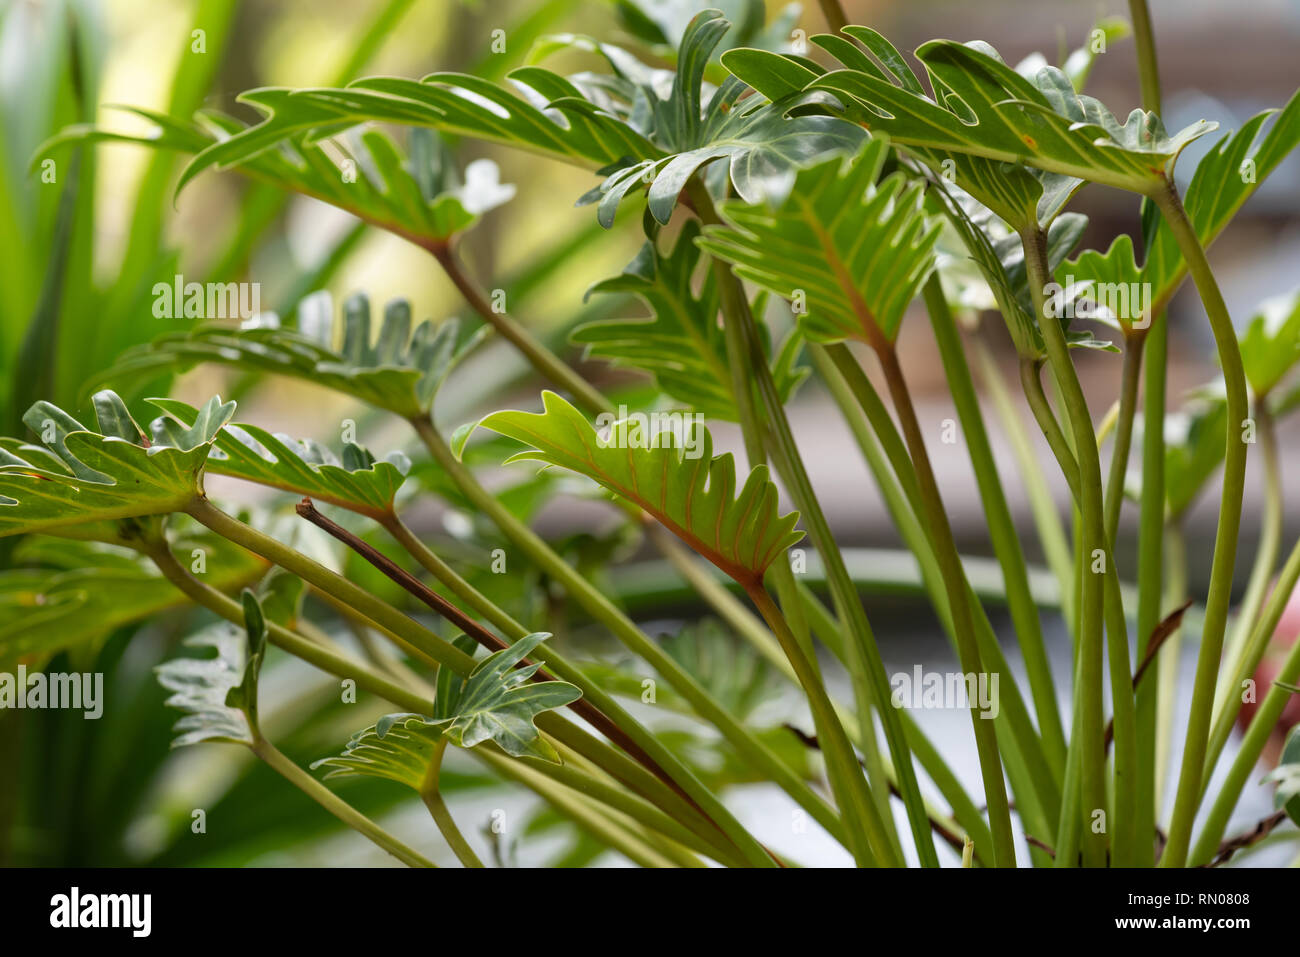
(1242, 653)
(1188, 796)
(1167, 664)
(940, 533)
(430, 648)
(1151, 506)
(1261, 726)
(612, 762)
(610, 718)
(834, 14)
(542, 359)
(866, 666)
(438, 809)
(1028, 766)
(846, 777)
(1150, 574)
(1148, 69)
(1254, 652)
(1090, 741)
(1051, 532)
(309, 651)
(1032, 383)
(331, 802)
(573, 805)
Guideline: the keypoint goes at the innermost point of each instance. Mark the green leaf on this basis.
(357, 482)
(1002, 263)
(1270, 344)
(1018, 194)
(682, 344)
(551, 117)
(859, 251)
(497, 702)
(1225, 178)
(400, 372)
(1287, 776)
(420, 197)
(697, 124)
(219, 695)
(620, 125)
(80, 476)
(684, 487)
(980, 107)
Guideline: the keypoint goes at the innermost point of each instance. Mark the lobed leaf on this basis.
(682, 344)
(979, 107)
(357, 482)
(498, 702)
(695, 498)
(1226, 177)
(80, 476)
(219, 695)
(401, 371)
(857, 249)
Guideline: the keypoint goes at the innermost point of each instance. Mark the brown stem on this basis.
(1256, 834)
(582, 707)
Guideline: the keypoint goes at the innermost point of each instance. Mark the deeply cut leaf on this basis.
(357, 482)
(219, 695)
(1225, 178)
(858, 251)
(400, 371)
(496, 702)
(80, 476)
(682, 344)
(980, 107)
(694, 497)
(420, 196)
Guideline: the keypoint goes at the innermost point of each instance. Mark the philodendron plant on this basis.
(794, 202)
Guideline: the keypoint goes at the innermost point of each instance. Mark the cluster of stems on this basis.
(1088, 791)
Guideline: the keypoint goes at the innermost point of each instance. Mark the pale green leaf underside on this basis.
(245, 451)
(858, 251)
(695, 498)
(219, 695)
(682, 343)
(201, 686)
(497, 702)
(80, 476)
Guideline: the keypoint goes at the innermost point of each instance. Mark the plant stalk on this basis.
(1188, 795)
